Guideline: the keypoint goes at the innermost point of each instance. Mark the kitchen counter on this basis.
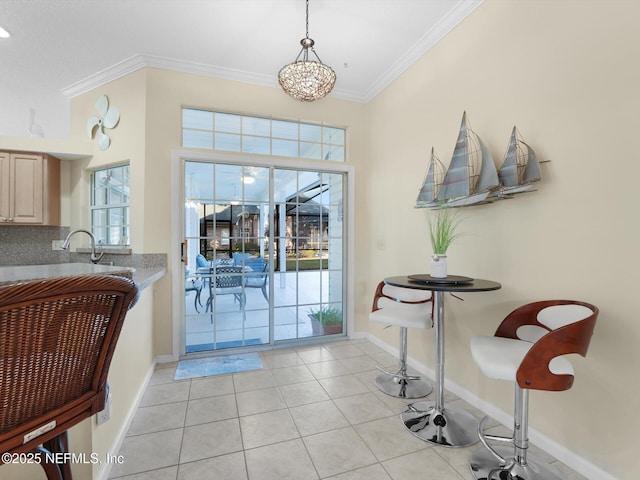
(24, 273)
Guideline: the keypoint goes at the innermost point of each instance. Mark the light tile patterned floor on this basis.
(311, 412)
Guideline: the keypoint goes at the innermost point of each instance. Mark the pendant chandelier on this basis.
(307, 80)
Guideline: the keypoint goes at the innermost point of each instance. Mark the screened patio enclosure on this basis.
(263, 251)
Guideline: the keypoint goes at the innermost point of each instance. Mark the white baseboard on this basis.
(167, 358)
(558, 451)
(103, 473)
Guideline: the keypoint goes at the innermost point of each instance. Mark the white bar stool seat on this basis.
(529, 349)
(404, 308)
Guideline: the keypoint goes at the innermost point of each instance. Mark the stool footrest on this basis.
(399, 374)
(483, 439)
(485, 467)
(400, 387)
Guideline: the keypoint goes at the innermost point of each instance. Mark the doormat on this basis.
(205, 367)
(203, 347)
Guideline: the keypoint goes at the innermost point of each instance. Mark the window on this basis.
(240, 133)
(110, 205)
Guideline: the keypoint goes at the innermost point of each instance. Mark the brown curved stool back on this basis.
(534, 373)
(528, 348)
(57, 339)
(404, 308)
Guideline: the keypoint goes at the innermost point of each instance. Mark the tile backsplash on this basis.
(31, 245)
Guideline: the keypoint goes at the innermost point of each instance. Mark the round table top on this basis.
(476, 285)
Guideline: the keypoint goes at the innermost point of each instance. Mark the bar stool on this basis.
(528, 349)
(406, 308)
(57, 339)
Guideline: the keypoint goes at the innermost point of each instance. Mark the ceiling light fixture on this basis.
(4, 33)
(307, 80)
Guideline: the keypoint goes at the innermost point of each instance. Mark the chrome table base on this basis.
(449, 427)
(431, 421)
(401, 387)
(484, 466)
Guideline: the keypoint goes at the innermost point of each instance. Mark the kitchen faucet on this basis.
(94, 257)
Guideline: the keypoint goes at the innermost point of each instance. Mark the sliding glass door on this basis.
(263, 255)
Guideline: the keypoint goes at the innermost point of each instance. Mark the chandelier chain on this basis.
(307, 18)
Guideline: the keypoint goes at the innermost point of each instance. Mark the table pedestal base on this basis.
(449, 427)
(483, 463)
(397, 386)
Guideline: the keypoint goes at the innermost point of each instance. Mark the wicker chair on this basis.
(57, 339)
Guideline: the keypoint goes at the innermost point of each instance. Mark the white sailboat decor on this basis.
(520, 167)
(428, 195)
(472, 174)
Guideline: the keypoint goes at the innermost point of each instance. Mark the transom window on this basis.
(240, 133)
(110, 205)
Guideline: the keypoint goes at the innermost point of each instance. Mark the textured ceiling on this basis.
(60, 48)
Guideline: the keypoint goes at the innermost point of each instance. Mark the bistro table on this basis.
(431, 421)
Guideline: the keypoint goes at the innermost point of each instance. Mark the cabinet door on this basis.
(28, 188)
(5, 196)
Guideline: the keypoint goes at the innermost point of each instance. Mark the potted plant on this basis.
(326, 320)
(442, 232)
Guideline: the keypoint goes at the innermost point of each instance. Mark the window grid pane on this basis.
(110, 205)
(264, 136)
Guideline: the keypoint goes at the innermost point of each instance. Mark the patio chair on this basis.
(226, 281)
(259, 280)
(240, 259)
(57, 339)
(194, 284)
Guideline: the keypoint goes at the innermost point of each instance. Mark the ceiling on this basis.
(62, 48)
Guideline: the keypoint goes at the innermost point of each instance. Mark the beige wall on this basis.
(168, 91)
(150, 102)
(127, 146)
(566, 74)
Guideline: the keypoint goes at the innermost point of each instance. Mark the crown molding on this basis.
(107, 75)
(137, 62)
(462, 9)
(456, 15)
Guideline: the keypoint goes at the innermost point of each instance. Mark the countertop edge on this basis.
(144, 277)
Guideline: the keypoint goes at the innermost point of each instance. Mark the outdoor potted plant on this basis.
(442, 232)
(326, 320)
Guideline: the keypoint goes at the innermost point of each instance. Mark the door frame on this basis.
(177, 228)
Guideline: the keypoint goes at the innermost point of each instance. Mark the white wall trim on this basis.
(103, 473)
(456, 15)
(462, 9)
(558, 451)
(179, 155)
(137, 62)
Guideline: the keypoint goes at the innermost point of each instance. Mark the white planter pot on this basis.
(439, 266)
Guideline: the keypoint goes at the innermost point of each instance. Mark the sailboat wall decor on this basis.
(428, 195)
(520, 167)
(471, 176)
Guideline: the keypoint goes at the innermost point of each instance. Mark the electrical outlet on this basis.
(56, 244)
(105, 414)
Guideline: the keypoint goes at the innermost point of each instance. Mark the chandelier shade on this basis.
(307, 80)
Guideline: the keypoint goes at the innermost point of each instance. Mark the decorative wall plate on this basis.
(108, 118)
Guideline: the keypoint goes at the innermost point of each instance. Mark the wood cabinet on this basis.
(29, 189)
